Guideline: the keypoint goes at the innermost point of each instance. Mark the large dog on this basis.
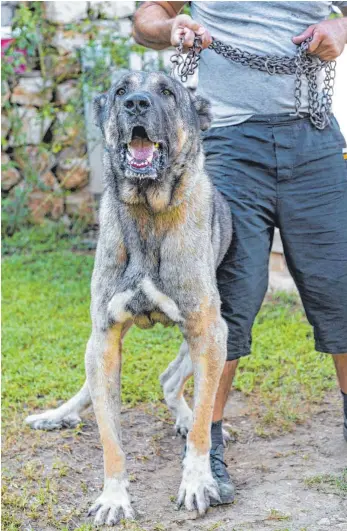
(164, 229)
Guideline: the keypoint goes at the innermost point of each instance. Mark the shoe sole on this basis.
(222, 501)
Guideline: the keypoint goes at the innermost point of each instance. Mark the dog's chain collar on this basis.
(299, 65)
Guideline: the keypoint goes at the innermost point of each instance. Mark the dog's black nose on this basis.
(137, 103)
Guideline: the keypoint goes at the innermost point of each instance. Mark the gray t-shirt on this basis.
(266, 28)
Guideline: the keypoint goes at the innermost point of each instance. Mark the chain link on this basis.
(302, 64)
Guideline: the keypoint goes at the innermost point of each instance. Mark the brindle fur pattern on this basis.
(161, 240)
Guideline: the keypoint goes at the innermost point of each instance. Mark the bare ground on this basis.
(269, 474)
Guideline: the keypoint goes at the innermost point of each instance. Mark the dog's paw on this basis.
(198, 485)
(113, 505)
(183, 422)
(195, 493)
(50, 420)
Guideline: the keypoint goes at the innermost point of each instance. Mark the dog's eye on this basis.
(120, 92)
(167, 92)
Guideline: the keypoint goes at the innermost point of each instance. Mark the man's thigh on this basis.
(241, 162)
(313, 224)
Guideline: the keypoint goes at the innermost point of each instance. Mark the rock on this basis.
(73, 172)
(114, 9)
(49, 181)
(81, 205)
(32, 91)
(324, 521)
(37, 159)
(28, 126)
(68, 41)
(79, 149)
(45, 204)
(5, 92)
(10, 176)
(66, 12)
(67, 91)
(62, 67)
(125, 28)
(105, 27)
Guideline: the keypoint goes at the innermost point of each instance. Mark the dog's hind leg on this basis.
(173, 380)
(65, 416)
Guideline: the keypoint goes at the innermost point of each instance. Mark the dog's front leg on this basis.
(206, 335)
(103, 367)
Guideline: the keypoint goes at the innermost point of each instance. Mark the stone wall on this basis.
(44, 149)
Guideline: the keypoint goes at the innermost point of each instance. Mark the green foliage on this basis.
(46, 325)
(33, 33)
(15, 212)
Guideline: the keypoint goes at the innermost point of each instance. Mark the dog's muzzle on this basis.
(143, 157)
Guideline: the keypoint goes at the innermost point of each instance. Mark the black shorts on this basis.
(280, 171)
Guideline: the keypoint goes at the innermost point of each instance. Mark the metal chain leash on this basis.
(302, 64)
(186, 66)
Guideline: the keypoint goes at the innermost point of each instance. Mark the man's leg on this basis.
(340, 361)
(313, 224)
(223, 390)
(242, 164)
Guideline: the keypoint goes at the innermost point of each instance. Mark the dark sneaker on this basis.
(345, 428)
(220, 474)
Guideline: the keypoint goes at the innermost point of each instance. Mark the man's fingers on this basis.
(326, 51)
(206, 39)
(196, 27)
(188, 28)
(189, 37)
(316, 41)
(303, 36)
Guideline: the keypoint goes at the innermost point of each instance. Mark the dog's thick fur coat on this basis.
(164, 230)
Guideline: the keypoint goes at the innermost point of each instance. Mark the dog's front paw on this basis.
(52, 420)
(198, 485)
(113, 504)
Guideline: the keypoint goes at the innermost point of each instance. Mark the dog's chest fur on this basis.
(147, 284)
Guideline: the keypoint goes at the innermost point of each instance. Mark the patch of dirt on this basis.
(269, 473)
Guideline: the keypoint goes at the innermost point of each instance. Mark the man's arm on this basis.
(157, 25)
(328, 37)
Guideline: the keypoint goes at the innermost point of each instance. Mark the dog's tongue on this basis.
(141, 149)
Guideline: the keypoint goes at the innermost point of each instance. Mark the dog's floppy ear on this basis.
(99, 109)
(203, 108)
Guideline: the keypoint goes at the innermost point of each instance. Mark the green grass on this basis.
(46, 325)
(329, 483)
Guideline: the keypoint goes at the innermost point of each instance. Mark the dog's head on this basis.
(150, 123)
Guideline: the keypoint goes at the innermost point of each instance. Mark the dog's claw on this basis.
(93, 509)
(182, 431)
(197, 497)
(112, 505)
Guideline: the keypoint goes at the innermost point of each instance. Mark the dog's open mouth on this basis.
(142, 155)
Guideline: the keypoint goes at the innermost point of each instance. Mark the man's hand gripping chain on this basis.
(301, 64)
